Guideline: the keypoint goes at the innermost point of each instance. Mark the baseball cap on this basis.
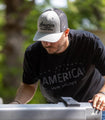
(51, 25)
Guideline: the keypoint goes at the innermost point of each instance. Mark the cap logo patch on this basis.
(44, 26)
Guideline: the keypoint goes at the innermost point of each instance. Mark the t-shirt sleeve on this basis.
(29, 75)
(99, 57)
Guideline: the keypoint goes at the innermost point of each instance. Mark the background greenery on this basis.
(18, 26)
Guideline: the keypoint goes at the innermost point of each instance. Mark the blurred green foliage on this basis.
(30, 27)
(90, 11)
(93, 10)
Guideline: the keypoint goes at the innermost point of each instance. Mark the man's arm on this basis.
(25, 93)
(98, 100)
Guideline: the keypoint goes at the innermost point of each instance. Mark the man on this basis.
(67, 63)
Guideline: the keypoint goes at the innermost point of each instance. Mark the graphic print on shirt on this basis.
(62, 76)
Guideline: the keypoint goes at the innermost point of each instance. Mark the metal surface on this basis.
(48, 112)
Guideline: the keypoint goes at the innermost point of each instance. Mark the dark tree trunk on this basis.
(16, 11)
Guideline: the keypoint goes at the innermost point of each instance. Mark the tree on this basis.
(93, 10)
(86, 14)
(15, 14)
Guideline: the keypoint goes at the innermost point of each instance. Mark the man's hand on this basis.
(98, 101)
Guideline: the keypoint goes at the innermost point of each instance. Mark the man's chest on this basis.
(59, 75)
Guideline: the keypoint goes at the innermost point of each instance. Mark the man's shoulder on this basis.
(82, 34)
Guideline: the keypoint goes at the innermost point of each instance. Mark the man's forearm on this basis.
(25, 93)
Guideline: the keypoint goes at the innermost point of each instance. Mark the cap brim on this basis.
(48, 37)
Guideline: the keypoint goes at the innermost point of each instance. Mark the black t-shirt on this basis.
(77, 72)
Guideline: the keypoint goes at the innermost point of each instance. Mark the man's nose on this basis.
(47, 43)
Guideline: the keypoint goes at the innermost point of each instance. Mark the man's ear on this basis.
(67, 31)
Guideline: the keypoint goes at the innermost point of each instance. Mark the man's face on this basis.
(56, 47)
